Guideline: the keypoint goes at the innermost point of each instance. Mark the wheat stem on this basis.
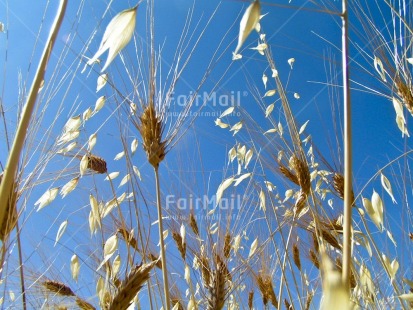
(161, 241)
(347, 152)
(6, 187)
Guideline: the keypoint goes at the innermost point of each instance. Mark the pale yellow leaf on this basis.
(74, 267)
(248, 157)
(221, 124)
(270, 93)
(137, 172)
(269, 109)
(222, 187)
(124, 180)
(253, 248)
(87, 114)
(117, 35)
(262, 201)
(112, 176)
(92, 142)
(115, 267)
(232, 154)
(303, 127)
(378, 65)
(67, 148)
(236, 56)
(264, 80)
(100, 102)
(134, 146)
(237, 127)
(102, 80)
(407, 297)
(110, 247)
(84, 164)
(227, 112)
(119, 155)
(248, 23)
(61, 231)
(387, 186)
(241, 178)
(291, 62)
(73, 124)
(272, 130)
(46, 198)
(69, 187)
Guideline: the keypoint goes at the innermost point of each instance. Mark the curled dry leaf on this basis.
(269, 109)
(117, 35)
(253, 248)
(60, 232)
(112, 175)
(102, 80)
(248, 22)
(219, 123)
(134, 146)
(46, 198)
(237, 127)
(69, 187)
(119, 155)
(227, 112)
(222, 187)
(387, 186)
(75, 267)
(100, 102)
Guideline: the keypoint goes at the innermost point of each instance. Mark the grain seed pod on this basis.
(58, 288)
(296, 256)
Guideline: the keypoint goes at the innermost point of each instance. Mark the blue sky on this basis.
(311, 38)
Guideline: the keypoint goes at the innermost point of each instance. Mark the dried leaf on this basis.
(117, 35)
(253, 248)
(248, 157)
(137, 172)
(125, 179)
(46, 198)
(87, 114)
(110, 247)
(269, 110)
(102, 80)
(237, 127)
(241, 178)
(69, 187)
(227, 112)
(302, 128)
(100, 102)
(61, 231)
(262, 201)
(264, 80)
(378, 65)
(291, 62)
(222, 187)
(116, 266)
(248, 22)
(407, 297)
(74, 267)
(68, 148)
(219, 123)
(134, 146)
(387, 186)
(112, 176)
(270, 93)
(92, 142)
(119, 155)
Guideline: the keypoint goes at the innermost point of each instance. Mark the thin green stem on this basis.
(347, 154)
(161, 242)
